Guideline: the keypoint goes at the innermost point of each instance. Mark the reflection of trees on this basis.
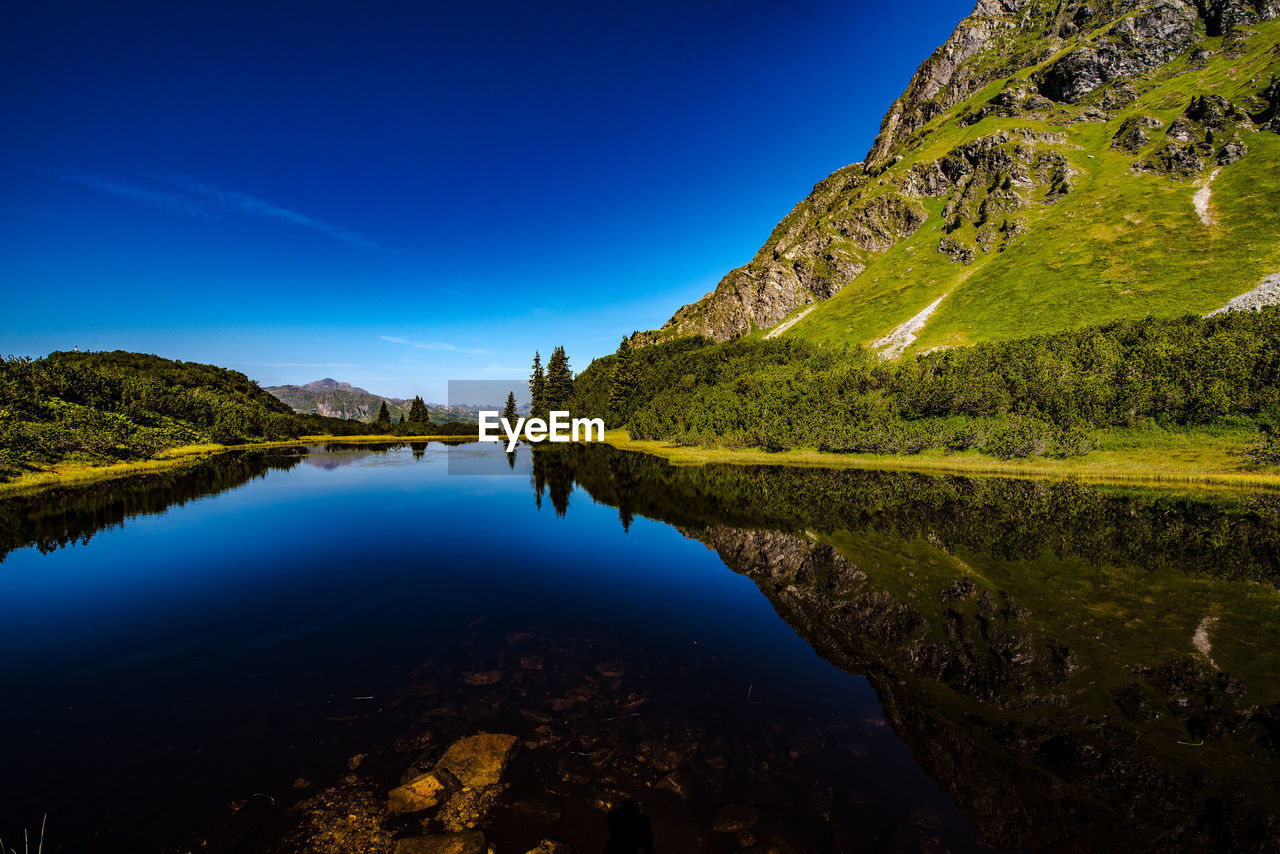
(1049, 735)
(555, 473)
(1052, 728)
(56, 518)
(1234, 536)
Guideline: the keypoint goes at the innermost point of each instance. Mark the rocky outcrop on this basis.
(1207, 132)
(1133, 133)
(462, 842)
(1265, 294)
(826, 241)
(1134, 45)
(1060, 63)
(822, 245)
(1268, 118)
(1224, 16)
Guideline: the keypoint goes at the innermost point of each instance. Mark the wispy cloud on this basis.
(254, 206)
(430, 345)
(205, 201)
(129, 190)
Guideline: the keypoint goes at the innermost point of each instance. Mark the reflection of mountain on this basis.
(56, 518)
(1062, 659)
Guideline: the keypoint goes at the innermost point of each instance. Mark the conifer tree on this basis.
(538, 388)
(623, 384)
(384, 416)
(559, 387)
(418, 413)
(509, 411)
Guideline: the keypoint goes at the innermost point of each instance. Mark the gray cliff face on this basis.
(802, 263)
(1086, 57)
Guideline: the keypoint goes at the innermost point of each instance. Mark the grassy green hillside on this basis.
(103, 408)
(1121, 243)
(1049, 395)
(1052, 166)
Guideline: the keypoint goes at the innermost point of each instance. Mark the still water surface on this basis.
(250, 655)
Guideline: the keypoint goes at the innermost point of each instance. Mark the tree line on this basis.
(551, 389)
(120, 406)
(1043, 395)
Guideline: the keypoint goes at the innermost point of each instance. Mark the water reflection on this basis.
(57, 518)
(1082, 669)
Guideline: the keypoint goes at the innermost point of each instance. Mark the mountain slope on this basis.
(335, 399)
(109, 407)
(1050, 166)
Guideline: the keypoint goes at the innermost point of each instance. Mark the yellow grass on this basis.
(83, 474)
(1203, 462)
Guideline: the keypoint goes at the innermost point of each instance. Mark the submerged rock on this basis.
(423, 792)
(479, 760)
(476, 764)
(464, 842)
(550, 846)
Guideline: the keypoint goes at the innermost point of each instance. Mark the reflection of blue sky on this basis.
(307, 588)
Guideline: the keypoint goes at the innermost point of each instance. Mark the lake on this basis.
(341, 648)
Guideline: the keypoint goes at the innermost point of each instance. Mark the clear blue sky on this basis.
(400, 193)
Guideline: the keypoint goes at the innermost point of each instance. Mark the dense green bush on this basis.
(1037, 396)
(117, 406)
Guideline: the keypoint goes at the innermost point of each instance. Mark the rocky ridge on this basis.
(335, 399)
(1041, 73)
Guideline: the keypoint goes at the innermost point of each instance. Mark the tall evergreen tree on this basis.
(559, 386)
(509, 411)
(384, 416)
(418, 413)
(623, 384)
(538, 388)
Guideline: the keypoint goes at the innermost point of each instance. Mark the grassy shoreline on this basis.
(1190, 458)
(1207, 459)
(83, 473)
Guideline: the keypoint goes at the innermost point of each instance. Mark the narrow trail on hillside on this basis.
(1203, 197)
(896, 342)
(783, 327)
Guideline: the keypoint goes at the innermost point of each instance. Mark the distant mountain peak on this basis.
(336, 399)
(330, 384)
